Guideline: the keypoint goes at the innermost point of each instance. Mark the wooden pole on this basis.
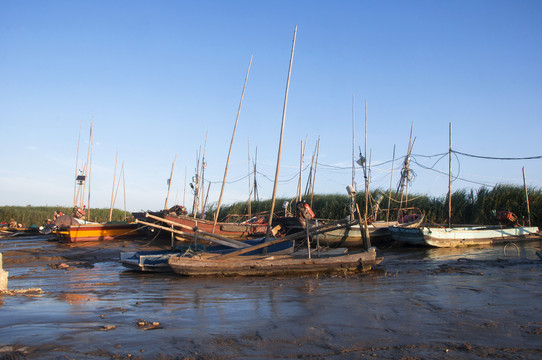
(85, 168)
(76, 164)
(315, 166)
(124, 190)
(117, 190)
(82, 188)
(353, 145)
(405, 171)
(391, 182)
(310, 177)
(526, 196)
(170, 181)
(270, 222)
(255, 186)
(353, 194)
(450, 179)
(365, 166)
(202, 177)
(90, 166)
(408, 173)
(114, 181)
(195, 204)
(231, 146)
(364, 225)
(300, 179)
(206, 198)
(249, 205)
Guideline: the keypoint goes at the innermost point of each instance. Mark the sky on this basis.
(163, 80)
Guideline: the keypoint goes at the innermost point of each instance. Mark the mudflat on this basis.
(468, 303)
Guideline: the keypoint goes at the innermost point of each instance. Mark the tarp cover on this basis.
(65, 221)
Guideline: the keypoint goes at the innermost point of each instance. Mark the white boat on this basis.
(462, 236)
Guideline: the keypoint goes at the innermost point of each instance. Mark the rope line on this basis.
(498, 158)
(413, 159)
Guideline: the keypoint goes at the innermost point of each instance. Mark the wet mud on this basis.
(471, 303)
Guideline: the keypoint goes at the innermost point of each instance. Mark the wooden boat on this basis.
(6, 231)
(157, 261)
(335, 260)
(379, 232)
(462, 236)
(96, 232)
(249, 229)
(252, 228)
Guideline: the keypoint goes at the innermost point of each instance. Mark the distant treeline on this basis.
(37, 215)
(468, 206)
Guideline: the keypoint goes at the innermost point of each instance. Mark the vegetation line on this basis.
(469, 207)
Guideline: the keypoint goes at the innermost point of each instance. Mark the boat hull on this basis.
(97, 232)
(236, 231)
(351, 236)
(379, 232)
(157, 261)
(148, 261)
(462, 236)
(274, 265)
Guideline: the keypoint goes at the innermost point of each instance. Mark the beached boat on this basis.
(157, 261)
(332, 261)
(379, 232)
(462, 236)
(6, 231)
(96, 232)
(252, 228)
(249, 229)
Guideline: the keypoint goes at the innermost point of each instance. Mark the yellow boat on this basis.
(97, 232)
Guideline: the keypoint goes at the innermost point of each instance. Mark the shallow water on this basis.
(419, 303)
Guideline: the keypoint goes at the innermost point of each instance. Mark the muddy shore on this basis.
(418, 304)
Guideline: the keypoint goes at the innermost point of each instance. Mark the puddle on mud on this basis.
(426, 303)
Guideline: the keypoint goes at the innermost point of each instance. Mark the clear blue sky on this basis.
(156, 75)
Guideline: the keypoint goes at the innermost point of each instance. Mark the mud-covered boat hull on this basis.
(157, 261)
(272, 265)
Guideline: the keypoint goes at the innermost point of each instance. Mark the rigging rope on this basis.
(410, 177)
(498, 158)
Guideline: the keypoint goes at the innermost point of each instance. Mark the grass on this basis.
(468, 207)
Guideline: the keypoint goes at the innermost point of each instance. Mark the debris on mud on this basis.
(148, 325)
